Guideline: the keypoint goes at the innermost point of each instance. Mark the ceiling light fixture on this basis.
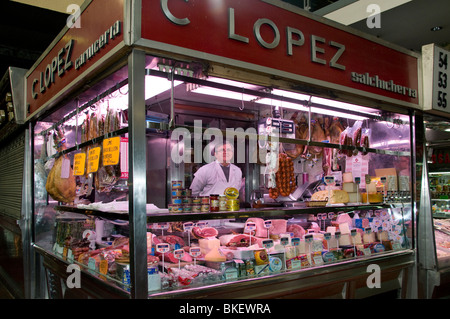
(436, 28)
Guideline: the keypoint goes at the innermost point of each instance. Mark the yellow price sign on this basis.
(79, 163)
(111, 150)
(93, 159)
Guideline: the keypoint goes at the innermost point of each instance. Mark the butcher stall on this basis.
(321, 119)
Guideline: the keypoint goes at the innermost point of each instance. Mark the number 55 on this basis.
(442, 99)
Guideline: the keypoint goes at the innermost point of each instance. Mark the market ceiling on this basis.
(29, 26)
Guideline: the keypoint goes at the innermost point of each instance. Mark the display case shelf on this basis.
(269, 212)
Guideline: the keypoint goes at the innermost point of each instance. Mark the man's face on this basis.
(224, 153)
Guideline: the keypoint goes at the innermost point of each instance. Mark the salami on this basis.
(365, 139)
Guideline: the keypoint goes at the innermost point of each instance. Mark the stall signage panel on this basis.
(438, 71)
(274, 39)
(98, 31)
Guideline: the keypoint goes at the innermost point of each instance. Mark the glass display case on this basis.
(324, 184)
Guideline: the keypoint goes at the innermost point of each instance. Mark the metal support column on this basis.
(428, 276)
(137, 180)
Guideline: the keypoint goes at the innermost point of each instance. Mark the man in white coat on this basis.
(215, 177)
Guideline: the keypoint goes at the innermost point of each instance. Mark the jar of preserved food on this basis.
(222, 203)
(214, 202)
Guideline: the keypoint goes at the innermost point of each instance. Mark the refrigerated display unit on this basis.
(121, 121)
(437, 260)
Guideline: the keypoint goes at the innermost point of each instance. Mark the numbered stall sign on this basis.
(441, 70)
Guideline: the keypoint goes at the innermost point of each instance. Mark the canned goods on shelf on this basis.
(177, 185)
(177, 192)
(175, 208)
(187, 208)
(177, 200)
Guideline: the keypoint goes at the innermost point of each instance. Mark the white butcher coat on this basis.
(210, 179)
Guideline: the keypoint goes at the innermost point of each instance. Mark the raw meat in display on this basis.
(61, 188)
(169, 239)
(301, 133)
(317, 135)
(240, 240)
(204, 232)
(170, 257)
(298, 230)
(260, 231)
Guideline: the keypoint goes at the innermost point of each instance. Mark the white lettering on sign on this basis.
(98, 44)
(294, 37)
(387, 85)
(62, 62)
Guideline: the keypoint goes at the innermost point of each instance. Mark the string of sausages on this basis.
(284, 177)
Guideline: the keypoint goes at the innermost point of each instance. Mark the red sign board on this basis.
(266, 37)
(98, 30)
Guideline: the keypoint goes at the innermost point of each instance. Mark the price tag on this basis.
(91, 263)
(160, 226)
(188, 226)
(202, 224)
(79, 163)
(383, 180)
(329, 180)
(353, 232)
(331, 215)
(267, 224)
(103, 267)
(367, 230)
(337, 235)
(65, 168)
(162, 248)
(111, 147)
(368, 179)
(284, 241)
(93, 159)
(327, 236)
(295, 241)
(250, 226)
(357, 180)
(195, 251)
(318, 260)
(178, 253)
(309, 238)
(267, 243)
